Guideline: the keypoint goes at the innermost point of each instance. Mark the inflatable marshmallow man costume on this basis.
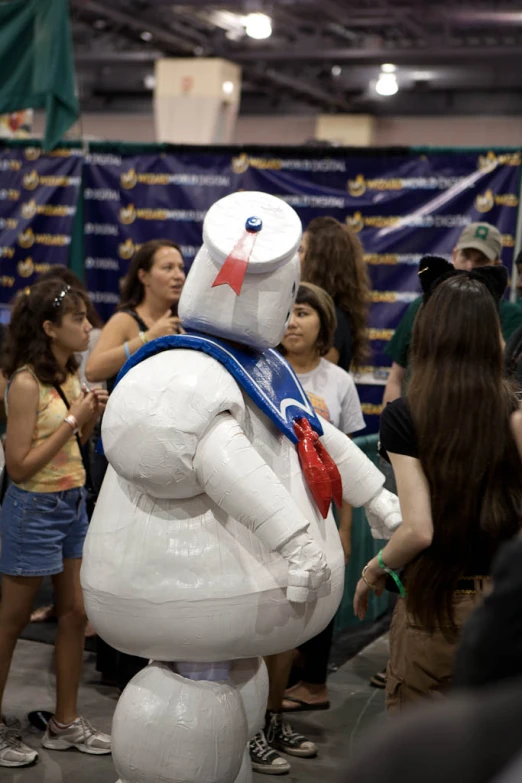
(207, 549)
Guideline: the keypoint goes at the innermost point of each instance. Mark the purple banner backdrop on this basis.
(402, 206)
(38, 198)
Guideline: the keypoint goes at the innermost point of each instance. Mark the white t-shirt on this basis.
(332, 392)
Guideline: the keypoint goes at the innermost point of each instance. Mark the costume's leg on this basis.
(245, 773)
(177, 729)
(250, 677)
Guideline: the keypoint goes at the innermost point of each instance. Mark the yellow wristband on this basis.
(143, 337)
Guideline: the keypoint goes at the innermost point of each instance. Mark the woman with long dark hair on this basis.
(332, 258)
(148, 308)
(458, 473)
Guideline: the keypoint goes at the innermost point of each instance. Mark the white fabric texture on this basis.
(332, 392)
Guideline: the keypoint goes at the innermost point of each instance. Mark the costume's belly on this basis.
(179, 580)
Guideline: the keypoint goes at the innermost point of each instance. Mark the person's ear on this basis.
(49, 329)
(142, 276)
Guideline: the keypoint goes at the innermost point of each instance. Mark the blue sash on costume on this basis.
(265, 376)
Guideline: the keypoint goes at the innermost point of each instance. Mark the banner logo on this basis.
(357, 186)
(491, 160)
(26, 238)
(128, 179)
(355, 222)
(9, 195)
(32, 153)
(127, 249)
(127, 215)
(31, 181)
(240, 164)
(29, 209)
(485, 202)
(29, 267)
(25, 268)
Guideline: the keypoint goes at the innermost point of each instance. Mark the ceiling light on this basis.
(336, 70)
(258, 26)
(386, 84)
(388, 68)
(149, 81)
(146, 36)
(228, 88)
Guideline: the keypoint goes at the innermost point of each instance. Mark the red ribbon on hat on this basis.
(320, 471)
(233, 271)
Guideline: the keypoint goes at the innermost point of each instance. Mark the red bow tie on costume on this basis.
(320, 471)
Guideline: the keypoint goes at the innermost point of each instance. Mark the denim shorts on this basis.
(39, 530)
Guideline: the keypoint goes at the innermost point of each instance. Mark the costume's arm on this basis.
(362, 482)
(234, 475)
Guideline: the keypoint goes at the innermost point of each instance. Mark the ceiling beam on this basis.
(311, 89)
(470, 16)
(161, 34)
(375, 56)
(94, 57)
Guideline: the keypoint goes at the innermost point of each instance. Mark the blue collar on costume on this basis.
(265, 376)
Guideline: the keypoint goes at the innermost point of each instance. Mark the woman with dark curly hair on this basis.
(44, 519)
(332, 258)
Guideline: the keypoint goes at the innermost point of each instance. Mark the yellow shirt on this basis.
(65, 470)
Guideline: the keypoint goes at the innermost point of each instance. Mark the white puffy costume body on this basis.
(207, 549)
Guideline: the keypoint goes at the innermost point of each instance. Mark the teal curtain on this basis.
(36, 63)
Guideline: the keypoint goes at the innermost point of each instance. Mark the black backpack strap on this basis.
(83, 449)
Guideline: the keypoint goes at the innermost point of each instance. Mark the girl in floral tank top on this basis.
(43, 521)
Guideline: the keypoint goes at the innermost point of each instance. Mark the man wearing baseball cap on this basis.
(480, 244)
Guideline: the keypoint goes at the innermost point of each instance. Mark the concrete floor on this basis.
(354, 707)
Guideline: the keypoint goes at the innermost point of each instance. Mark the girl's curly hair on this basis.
(26, 341)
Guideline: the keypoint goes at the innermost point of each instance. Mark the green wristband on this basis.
(393, 575)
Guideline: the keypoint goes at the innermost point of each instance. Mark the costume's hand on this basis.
(383, 512)
(307, 568)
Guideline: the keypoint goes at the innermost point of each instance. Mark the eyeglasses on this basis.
(61, 296)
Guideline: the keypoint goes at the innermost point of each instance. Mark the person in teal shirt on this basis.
(480, 244)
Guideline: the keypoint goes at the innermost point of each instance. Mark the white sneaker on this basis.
(80, 735)
(14, 752)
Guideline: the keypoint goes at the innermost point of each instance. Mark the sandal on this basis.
(379, 680)
(44, 614)
(304, 706)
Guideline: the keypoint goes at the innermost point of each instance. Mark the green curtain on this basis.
(36, 63)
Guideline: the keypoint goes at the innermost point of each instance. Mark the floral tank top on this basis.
(65, 470)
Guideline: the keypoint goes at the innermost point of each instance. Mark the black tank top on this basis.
(142, 327)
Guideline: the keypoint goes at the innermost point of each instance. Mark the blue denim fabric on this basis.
(38, 530)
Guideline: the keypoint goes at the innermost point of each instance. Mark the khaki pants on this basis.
(421, 664)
